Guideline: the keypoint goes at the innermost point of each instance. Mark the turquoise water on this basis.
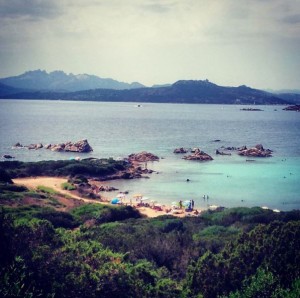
(119, 129)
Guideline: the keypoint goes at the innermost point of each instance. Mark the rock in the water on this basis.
(35, 146)
(218, 152)
(7, 156)
(17, 145)
(142, 157)
(180, 150)
(293, 108)
(81, 147)
(257, 151)
(198, 155)
(57, 147)
(193, 150)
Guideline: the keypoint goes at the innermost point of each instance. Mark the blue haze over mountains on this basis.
(60, 81)
(56, 85)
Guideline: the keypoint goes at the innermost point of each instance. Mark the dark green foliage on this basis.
(78, 179)
(4, 177)
(275, 246)
(11, 193)
(228, 217)
(89, 167)
(115, 254)
(87, 212)
(104, 213)
(58, 219)
(117, 213)
(14, 281)
(13, 187)
(262, 284)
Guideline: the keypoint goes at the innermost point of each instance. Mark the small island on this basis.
(295, 108)
(251, 109)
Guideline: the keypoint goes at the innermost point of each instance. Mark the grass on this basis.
(68, 186)
(47, 190)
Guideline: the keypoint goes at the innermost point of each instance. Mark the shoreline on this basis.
(146, 209)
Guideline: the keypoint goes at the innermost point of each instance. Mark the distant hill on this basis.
(60, 81)
(292, 97)
(8, 90)
(184, 91)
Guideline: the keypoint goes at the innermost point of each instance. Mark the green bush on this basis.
(117, 213)
(58, 219)
(68, 186)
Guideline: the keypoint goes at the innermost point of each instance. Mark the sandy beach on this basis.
(56, 182)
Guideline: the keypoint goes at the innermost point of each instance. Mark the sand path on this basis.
(55, 183)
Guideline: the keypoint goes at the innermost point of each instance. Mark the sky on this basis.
(229, 42)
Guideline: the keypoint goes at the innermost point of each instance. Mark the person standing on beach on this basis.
(180, 204)
(193, 204)
(204, 197)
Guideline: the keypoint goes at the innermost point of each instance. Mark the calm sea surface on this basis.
(119, 129)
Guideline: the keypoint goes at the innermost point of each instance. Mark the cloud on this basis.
(150, 40)
(29, 9)
(292, 19)
(160, 7)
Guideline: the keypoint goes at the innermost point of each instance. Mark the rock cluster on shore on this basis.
(198, 155)
(81, 146)
(257, 151)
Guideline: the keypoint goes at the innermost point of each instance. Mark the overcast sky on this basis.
(229, 42)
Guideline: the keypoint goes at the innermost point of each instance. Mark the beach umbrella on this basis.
(115, 201)
(144, 199)
(186, 203)
(174, 204)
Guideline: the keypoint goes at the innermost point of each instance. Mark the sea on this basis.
(119, 129)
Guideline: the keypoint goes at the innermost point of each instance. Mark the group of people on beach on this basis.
(189, 206)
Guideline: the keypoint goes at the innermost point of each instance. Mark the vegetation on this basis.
(68, 186)
(88, 167)
(48, 249)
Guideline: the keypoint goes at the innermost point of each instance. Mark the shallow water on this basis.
(119, 129)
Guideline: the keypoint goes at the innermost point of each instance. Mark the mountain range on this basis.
(60, 81)
(59, 86)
